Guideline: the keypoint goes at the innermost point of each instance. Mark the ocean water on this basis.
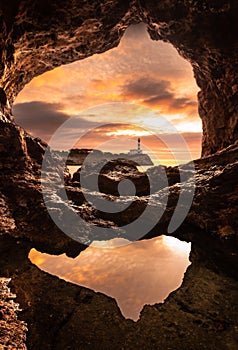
(73, 168)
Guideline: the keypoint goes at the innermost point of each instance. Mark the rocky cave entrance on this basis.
(147, 72)
(37, 40)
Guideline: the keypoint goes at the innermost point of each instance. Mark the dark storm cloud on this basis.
(42, 119)
(181, 103)
(148, 88)
(39, 118)
(157, 93)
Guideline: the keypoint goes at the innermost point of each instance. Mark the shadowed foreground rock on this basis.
(23, 208)
(107, 177)
(216, 187)
(202, 311)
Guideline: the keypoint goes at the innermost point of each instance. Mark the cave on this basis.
(39, 36)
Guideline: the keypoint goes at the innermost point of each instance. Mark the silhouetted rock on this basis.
(216, 188)
(203, 32)
(106, 178)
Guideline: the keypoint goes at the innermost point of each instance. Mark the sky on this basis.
(140, 273)
(140, 88)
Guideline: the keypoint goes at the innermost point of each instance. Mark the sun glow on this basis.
(128, 132)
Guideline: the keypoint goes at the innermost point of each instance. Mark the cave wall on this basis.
(204, 33)
(37, 36)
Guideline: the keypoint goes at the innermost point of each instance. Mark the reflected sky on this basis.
(135, 274)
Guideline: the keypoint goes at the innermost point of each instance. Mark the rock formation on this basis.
(13, 331)
(216, 186)
(77, 157)
(37, 36)
(107, 177)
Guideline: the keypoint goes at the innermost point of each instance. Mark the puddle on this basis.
(143, 272)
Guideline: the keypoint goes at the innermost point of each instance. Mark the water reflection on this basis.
(72, 169)
(135, 274)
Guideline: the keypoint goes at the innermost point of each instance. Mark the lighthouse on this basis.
(133, 152)
(138, 147)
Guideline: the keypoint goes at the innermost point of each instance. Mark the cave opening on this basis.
(139, 74)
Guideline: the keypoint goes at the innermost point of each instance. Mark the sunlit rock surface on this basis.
(216, 188)
(13, 331)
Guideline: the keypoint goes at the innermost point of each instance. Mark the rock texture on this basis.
(216, 188)
(204, 33)
(22, 205)
(13, 331)
(108, 177)
(191, 316)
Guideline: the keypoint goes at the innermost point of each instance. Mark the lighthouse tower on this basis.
(133, 152)
(138, 148)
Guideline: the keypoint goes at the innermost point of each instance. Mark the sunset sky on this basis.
(148, 79)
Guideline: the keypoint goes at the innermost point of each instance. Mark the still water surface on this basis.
(135, 274)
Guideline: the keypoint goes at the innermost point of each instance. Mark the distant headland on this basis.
(77, 156)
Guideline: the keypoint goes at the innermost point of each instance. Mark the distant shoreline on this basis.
(77, 156)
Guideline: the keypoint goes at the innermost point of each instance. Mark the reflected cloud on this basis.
(135, 274)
